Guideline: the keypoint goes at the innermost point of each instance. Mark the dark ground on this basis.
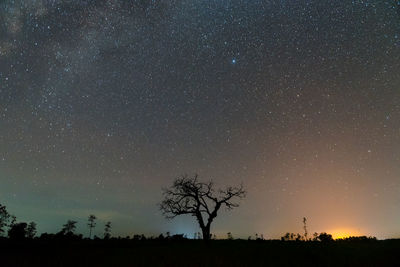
(196, 253)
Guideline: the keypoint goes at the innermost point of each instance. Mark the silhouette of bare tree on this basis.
(199, 199)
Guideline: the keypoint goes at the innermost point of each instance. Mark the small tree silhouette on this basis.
(305, 228)
(17, 231)
(31, 230)
(69, 227)
(189, 196)
(91, 224)
(4, 218)
(107, 230)
(324, 237)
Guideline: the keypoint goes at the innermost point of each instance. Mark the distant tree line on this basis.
(21, 230)
(321, 237)
(186, 196)
(13, 230)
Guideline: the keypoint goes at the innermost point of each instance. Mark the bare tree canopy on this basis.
(190, 196)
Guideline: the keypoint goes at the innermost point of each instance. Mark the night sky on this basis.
(103, 103)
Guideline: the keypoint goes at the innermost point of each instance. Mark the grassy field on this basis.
(196, 253)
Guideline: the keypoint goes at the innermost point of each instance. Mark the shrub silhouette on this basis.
(324, 237)
(31, 230)
(69, 227)
(18, 231)
(291, 237)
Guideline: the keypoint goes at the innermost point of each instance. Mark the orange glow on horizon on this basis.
(343, 233)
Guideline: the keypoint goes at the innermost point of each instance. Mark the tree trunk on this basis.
(206, 233)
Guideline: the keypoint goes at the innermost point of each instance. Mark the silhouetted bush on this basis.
(31, 230)
(324, 237)
(292, 237)
(18, 231)
(69, 227)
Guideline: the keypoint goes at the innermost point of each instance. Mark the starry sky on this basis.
(103, 103)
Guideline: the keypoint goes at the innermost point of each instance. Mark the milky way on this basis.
(103, 103)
